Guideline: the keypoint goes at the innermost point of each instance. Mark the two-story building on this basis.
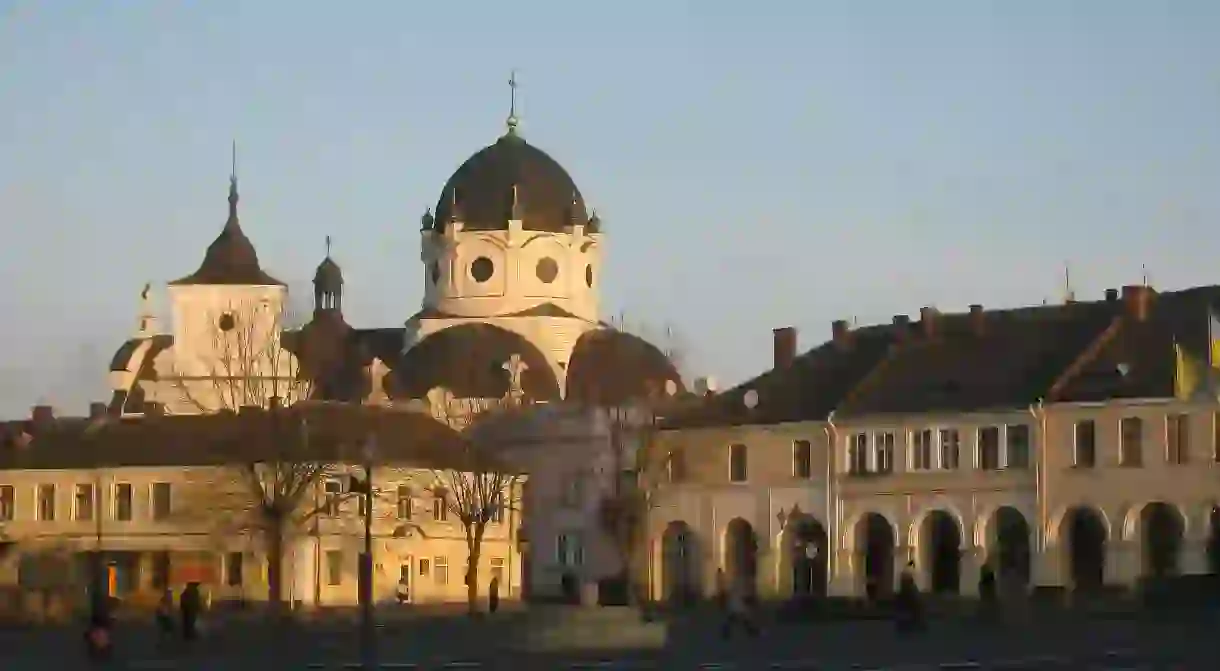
(175, 499)
(1068, 445)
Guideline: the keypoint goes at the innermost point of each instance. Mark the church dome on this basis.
(511, 179)
(471, 360)
(610, 367)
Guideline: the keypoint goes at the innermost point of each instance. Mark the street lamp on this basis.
(368, 642)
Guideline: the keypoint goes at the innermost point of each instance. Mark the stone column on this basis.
(1046, 568)
(1122, 563)
(144, 571)
(969, 567)
(844, 577)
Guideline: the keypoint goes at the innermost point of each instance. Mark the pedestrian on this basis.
(99, 646)
(493, 594)
(165, 613)
(189, 604)
(403, 590)
(910, 616)
(987, 591)
(738, 610)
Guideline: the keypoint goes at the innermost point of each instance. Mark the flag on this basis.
(1213, 339)
(1187, 373)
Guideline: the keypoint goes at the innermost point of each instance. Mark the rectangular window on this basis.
(802, 459)
(425, 567)
(675, 467)
(46, 503)
(334, 567)
(950, 449)
(440, 507)
(1131, 442)
(162, 494)
(440, 574)
(332, 492)
(987, 452)
(1177, 439)
(883, 446)
(82, 502)
(569, 550)
(497, 569)
(160, 570)
(1018, 450)
(737, 463)
(1085, 444)
(123, 501)
(233, 569)
(921, 450)
(857, 454)
(8, 503)
(405, 502)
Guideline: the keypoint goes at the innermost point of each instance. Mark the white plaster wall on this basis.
(514, 285)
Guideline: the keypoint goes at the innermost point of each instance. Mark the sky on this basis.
(756, 164)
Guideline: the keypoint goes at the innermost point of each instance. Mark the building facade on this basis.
(1066, 445)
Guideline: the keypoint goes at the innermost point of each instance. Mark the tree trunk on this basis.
(474, 545)
(275, 566)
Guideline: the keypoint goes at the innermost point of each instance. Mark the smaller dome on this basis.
(610, 367)
(329, 277)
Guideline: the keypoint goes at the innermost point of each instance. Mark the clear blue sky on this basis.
(758, 164)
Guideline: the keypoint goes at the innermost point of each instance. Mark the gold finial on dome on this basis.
(513, 121)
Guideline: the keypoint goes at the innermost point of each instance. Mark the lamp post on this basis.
(368, 638)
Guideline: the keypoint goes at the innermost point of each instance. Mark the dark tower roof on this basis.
(328, 276)
(511, 176)
(230, 258)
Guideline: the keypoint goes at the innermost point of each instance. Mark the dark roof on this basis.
(231, 258)
(328, 277)
(307, 431)
(481, 193)
(1135, 359)
(1010, 362)
(468, 359)
(611, 367)
(132, 398)
(807, 389)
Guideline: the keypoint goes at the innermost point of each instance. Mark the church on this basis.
(511, 262)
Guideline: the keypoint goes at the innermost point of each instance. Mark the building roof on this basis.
(510, 179)
(306, 432)
(231, 258)
(611, 367)
(1119, 347)
(469, 360)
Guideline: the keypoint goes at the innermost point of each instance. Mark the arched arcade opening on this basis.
(680, 579)
(740, 553)
(1084, 537)
(1162, 530)
(874, 549)
(1009, 546)
(803, 554)
(940, 552)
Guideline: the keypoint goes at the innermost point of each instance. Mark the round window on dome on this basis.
(226, 322)
(482, 269)
(434, 272)
(589, 275)
(547, 270)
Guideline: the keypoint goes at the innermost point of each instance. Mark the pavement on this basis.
(574, 638)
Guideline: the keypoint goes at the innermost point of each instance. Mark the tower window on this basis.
(434, 271)
(589, 275)
(482, 269)
(226, 322)
(547, 270)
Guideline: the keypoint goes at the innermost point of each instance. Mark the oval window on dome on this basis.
(547, 270)
(589, 275)
(482, 269)
(226, 322)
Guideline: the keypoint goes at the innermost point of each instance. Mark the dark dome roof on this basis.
(481, 193)
(328, 277)
(230, 258)
(610, 367)
(468, 360)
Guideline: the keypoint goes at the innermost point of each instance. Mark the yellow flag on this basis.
(1186, 373)
(1213, 339)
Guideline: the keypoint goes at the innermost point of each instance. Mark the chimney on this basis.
(902, 326)
(98, 410)
(785, 346)
(42, 415)
(1137, 300)
(840, 332)
(927, 319)
(978, 320)
(1111, 295)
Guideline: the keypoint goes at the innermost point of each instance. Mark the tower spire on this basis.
(513, 121)
(328, 246)
(232, 187)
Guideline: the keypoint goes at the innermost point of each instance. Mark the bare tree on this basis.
(249, 360)
(479, 486)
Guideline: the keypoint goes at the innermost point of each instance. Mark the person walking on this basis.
(493, 595)
(987, 592)
(910, 615)
(189, 605)
(165, 614)
(738, 610)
